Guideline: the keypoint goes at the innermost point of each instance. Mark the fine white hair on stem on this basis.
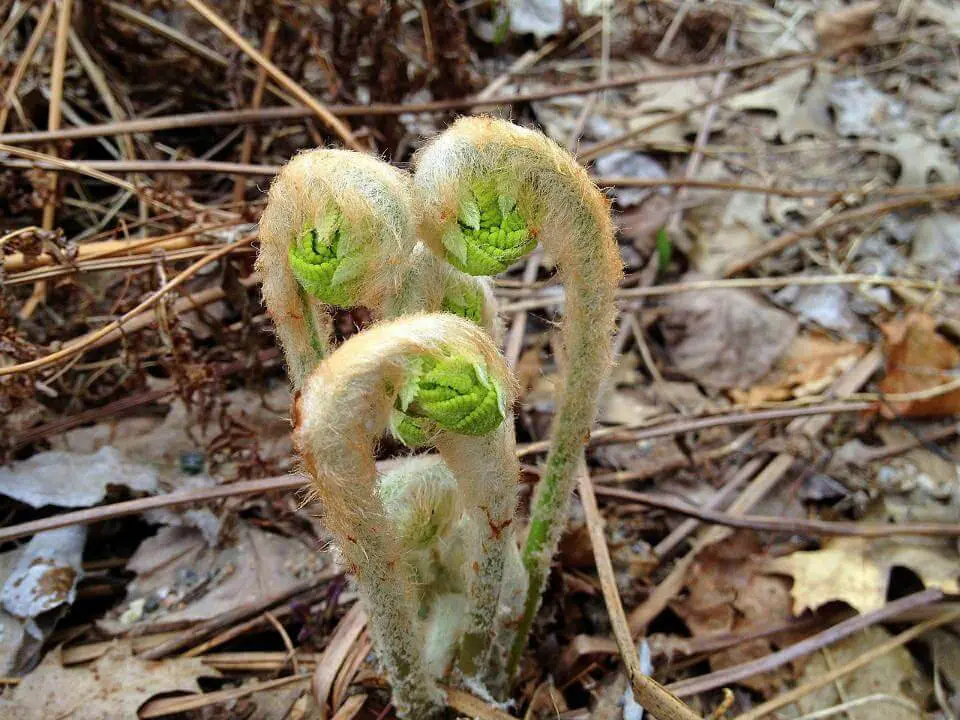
(489, 190)
(340, 415)
(356, 219)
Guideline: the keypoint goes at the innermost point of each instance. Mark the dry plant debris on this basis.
(785, 180)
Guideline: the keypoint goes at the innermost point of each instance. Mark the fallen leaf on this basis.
(729, 592)
(541, 18)
(39, 586)
(67, 479)
(860, 110)
(725, 338)
(856, 571)
(739, 228)
(936, 244)
(813, 362)
(894, 673)
(112, 687)
(918, 159)
(835, 27)
(263, 417)
(919, 358)
(180, 577)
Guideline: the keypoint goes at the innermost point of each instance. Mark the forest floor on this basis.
(775, 455)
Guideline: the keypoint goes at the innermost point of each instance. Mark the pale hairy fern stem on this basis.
(490, 191)
(447, 370)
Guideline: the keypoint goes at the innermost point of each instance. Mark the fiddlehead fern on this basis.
(445, 369)
(490, 189)
(338, 230)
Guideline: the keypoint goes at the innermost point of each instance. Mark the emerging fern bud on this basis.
(338, 230)
(421, 500)
(491, 232)
(490, 191)
(455, 393)
(449, 371)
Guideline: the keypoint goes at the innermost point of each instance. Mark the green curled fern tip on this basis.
(455, 393)
(412, 431)
(490, 235)
(465, 301)
(325, 264)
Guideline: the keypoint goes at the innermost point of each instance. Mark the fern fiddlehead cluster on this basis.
(432, 542)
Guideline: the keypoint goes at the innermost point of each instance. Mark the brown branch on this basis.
(647, 691)
(686, 688)
(778, 524)
(266, 115)
(869, 212)
(320, 110)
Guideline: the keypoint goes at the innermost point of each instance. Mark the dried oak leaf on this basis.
(918, 358)
(112, 687)
(813, 362)
(728, 591)
(725, 338)
(893, 674)
(856, 570)
(836, 27)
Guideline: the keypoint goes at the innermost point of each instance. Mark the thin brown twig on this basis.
(869, 212)
(88, 340)
(865, 659)
(249, 134)
(621, 434)
(647, 691)
(320, 110)
(10, 94)
(257, 170)
(235, 117)
(778, 524)
(169, 706)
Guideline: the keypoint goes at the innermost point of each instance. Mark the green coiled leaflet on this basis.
(326, 261)
(490, 235)
(451, 393)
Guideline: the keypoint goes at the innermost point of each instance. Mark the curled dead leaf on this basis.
(919, 358)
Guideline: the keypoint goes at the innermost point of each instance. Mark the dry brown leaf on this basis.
(187, 580)
(809, 367)
(856, 571)
(725, 338)
(919, 358)
(728, 591)
(835, 27)
(112, 687)
(918, 158)
(893, 673)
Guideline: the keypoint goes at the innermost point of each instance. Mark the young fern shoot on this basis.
(447, 372)
(490, 191)
(338, 230)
